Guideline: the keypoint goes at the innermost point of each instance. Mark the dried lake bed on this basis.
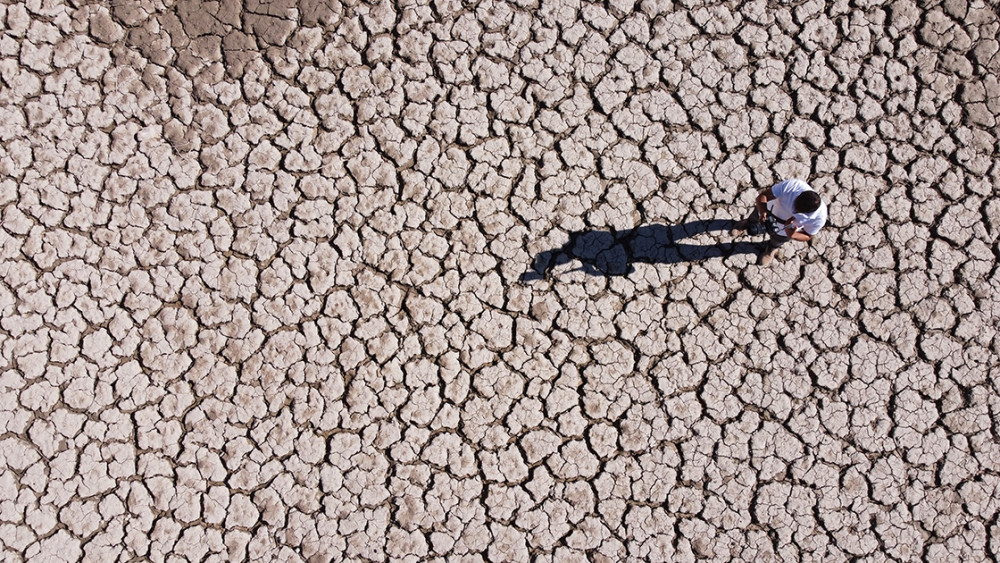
(428, 281)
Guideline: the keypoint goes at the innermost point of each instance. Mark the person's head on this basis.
(807, 202)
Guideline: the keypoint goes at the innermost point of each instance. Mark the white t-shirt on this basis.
(783, 206)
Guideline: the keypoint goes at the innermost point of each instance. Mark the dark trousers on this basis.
(776, 239)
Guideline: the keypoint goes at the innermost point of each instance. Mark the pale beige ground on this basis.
(261, 291)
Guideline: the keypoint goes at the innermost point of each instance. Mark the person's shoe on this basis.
(739, 229)
(767, 257)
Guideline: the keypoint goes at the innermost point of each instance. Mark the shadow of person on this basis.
(607, 253)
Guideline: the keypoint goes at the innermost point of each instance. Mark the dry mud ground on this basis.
(445, 281)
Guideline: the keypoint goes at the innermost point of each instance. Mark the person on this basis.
(798, 212)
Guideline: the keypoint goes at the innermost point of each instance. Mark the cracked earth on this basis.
(351, 281)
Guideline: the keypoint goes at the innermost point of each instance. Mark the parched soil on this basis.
(453, 281)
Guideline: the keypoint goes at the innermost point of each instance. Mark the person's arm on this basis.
(762, 198)
(796, 231)
(799, 235)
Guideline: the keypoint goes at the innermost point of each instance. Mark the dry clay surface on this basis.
(264, 291)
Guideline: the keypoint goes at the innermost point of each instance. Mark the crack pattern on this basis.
(402, 280)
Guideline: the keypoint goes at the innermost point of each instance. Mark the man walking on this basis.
(798, 214)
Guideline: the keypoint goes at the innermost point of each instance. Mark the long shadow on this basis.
(607, 253)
